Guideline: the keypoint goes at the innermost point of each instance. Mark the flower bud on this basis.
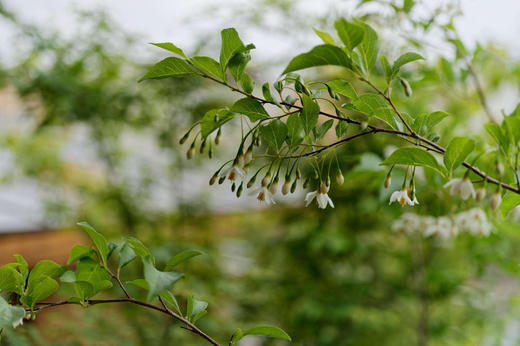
(190, 152)
(406, 86)
(306, 183)
(499, 168)
(222, 179)
(251, 182)
(363, 125)
(202, 146)
(248, 156)
(241, 161)
(340, 179)
(388, 181)
(298, 174)
(184, 138)
(324, 188)
(266, 179)
(274, 186)
(210, 151)
(233, 187)
(495, 201)
(480, 194)
(286, 187)
(294, 185)
(213, 179)
(239, 190)
(217, 138)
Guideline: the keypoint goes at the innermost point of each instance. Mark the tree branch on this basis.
(189, 326)
(436, 147)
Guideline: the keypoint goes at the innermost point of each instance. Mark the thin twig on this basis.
(190, 326)
(439, 149)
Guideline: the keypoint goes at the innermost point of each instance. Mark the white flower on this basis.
(18, 323)
(263, 195)
(321, 195)
(401, 196)
(415, 201)
(233, 172)
(407, 223)
(443, 228)
(495, 201)
(462, 187)
(474, 221)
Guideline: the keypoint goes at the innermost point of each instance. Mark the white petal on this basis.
(322, 200)
(452, 181)
(330, 201)
(309, 197)
(395, 196)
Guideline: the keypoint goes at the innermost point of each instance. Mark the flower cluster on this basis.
(473, 221)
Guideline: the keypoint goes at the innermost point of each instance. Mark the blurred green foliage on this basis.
(339, 277)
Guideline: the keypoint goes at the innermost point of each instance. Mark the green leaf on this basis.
(294, 129)
(457, 151)
(237, 335)
(170, 47)
(69, 277)
(405, 59)
(274, 134)
(387, 69)
(435, 118)
(322, 130)
(510, 201)
(213, 119)
(170, 299)
(181, 257)
(79, 251)
(341, 128)
(266, 91)
(40, 283)
(309, 114)
(496, 132)
(350, 34)
(325, 37)
(231, 45)
(83, 289)
(10, 279)
(247, 83)
(369, 47)
(208, 65)
(343, 87)
(169, 67)
(126, 255)
(158, 281)
(10, 316)
(141, 283)
(319, 56)
(374, 104)
(139, 248)
(98, 239)
(413, 156)
(271, 331)
(38, 291)
(91, 272)
(251, 108)
(24, 267)
(197, 307)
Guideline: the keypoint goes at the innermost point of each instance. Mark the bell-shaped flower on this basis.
(402, 197)
(462, 187)
(233, 173)
(321, 195)
(263, 195)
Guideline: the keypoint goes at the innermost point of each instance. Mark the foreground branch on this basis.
(188, 325)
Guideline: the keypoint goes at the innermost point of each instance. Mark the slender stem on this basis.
(411, 134)
(189, 326)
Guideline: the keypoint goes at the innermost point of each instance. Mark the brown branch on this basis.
(439, 149)
(189, 326)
